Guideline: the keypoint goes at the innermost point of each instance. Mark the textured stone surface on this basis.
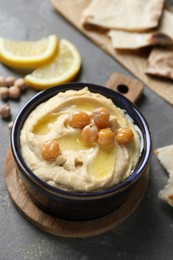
(147, 234)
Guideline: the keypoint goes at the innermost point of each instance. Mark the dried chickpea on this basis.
(4, 93)
(101, 117)
(10, 125)
(5, 111)
(106, 137)
(124, 135)
(14, 92)
(50, 150)
(2, 81)
(20, 83)
(89, 133)
(79, 119)
(9, 81)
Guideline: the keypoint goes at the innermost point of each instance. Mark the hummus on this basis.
(80, 167)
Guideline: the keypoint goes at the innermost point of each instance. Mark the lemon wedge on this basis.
(28, 54)
(62, 69)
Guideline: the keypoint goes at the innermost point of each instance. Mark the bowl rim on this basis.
(45, 95)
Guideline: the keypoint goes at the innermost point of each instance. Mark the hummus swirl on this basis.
(80, 167)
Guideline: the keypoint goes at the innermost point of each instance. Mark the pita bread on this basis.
(130, 40)
(165, 156)
(160, 63)
(133, 41)
(129, 15)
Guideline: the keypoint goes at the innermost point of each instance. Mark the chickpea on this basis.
(10, 125)
(106, 137)
(124, 135)
(20, 83)
(50, 150)
(4, 93)
(2, 81)
(89, 133)
(79, 119)
(5, 111)
(9, 81)
(101, 117)
(14, 92)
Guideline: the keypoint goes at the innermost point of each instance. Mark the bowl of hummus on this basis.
(80, 149)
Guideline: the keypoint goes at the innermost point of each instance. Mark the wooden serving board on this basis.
(64, 228)
(135, 62)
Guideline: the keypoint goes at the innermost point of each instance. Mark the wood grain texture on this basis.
(64, 228)
(134, 61)
(128, 87)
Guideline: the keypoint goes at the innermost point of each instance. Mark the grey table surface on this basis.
(148, 232)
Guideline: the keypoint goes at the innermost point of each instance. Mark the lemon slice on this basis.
(62, 69)
(28, 54)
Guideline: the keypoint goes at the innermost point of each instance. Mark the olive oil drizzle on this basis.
(102, 164)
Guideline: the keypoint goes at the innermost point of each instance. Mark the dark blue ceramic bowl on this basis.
(80, 205)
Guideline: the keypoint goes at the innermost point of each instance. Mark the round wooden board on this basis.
(65, 228)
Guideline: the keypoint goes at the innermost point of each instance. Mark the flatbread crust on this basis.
(160, 63)
(163, 36)
(133, 41)
(129, 15)
(165, 156)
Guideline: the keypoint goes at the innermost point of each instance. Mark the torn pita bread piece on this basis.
(165, 156)
(133, 41)
(129, 15)
(163, 36)
(160, 63)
